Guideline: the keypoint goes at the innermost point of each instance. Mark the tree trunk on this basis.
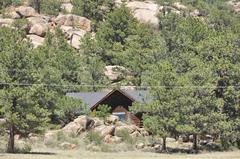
(164, 147)
(195, 146)
(10, 147)
(37, 5)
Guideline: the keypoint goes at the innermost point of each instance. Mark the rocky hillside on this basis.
(75, 27)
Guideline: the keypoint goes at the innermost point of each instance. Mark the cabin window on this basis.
(121, 115)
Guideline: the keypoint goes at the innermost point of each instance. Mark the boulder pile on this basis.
(110, 130)
(74, 27)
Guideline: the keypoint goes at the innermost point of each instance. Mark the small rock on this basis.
(195, 13)
(2, 121)
(68, 7)
(67, 145)
(6, 22)
(115, 73)
(93, 147)
(157, 147)
(169, 139)
(179, 6)
(140, 146)
(75, 37)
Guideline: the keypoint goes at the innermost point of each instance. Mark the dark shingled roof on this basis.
(92, 98)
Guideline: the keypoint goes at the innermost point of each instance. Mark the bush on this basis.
(124, 134)
(7, 3)
(93, 137)
(102, 112)
(23, 147)
(51, 7)
(21, 24)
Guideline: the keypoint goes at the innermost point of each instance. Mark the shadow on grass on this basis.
(177, 150)
(34, 153)
(212, 148)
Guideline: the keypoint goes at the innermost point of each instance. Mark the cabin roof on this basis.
(93, 98)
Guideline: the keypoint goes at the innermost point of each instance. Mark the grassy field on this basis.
(80, 154)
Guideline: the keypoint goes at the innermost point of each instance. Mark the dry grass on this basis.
(82, 154)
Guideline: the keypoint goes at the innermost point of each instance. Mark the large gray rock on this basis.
(25, 11)
(39, 29)
(104, 130)
(39, 25)
(76, 35)
(146, 12)
(74, 20)
(38, 20)
(97, 122)
(78, 126)
(36, 40)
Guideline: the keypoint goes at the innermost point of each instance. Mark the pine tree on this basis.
(21, 100)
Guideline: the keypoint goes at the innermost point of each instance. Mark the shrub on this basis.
(51, 7)
(7, 3)
(23, 148)
(124, 134)
(21, 24)
(93, 137)
(103, 111)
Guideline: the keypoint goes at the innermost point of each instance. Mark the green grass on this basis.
(77, 154)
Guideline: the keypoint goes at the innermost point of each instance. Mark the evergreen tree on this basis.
(21, 100)
(161, 116)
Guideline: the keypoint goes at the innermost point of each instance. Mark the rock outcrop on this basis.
(146, 12)
(115, 73)
(75, 27)
(25, 11)
(78, 126)
(111, 131)
(74, 21)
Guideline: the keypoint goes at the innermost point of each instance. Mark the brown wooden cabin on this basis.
(118, 100)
